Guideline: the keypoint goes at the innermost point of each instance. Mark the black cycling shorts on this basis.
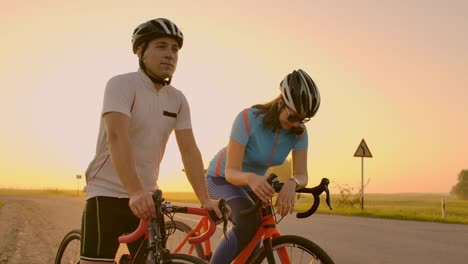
(104, 220)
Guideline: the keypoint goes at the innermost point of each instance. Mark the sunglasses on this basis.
(296, 118)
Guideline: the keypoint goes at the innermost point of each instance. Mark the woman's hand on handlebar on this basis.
(261, 187)
(142, 205)
(286, 198)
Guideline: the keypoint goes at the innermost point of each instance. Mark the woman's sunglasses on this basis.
(296, 118)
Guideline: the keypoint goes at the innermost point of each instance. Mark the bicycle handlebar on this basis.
(135, 235)
(195, 211)
(142, 228)
(273, 179)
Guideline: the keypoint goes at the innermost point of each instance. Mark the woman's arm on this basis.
(299, 167)
(286, 198)
(235, 175)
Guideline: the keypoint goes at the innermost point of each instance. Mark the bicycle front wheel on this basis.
(182, 259)
(294, 249)
(176, 232)
(69, 249)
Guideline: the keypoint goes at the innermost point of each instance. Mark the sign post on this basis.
(443, 208)
(78, 178)
(363, 152)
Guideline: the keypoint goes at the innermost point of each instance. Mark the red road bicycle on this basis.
(154, 250)
(276, 248)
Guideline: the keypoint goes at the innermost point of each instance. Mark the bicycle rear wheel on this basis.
(182, 259)
(294, 249)
(69, 249)
(177, 231)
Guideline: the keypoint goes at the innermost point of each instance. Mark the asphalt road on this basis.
(31, 229)
(358, 240)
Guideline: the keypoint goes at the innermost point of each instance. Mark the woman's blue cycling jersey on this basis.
(264, 148)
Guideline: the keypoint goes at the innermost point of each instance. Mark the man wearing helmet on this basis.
(140, 111)
(262, 136)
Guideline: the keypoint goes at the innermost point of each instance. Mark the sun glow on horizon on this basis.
(391, 73)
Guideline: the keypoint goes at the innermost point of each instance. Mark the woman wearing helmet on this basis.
(140, 111)
(263, 136)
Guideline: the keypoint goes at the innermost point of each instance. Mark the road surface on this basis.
(31, 228)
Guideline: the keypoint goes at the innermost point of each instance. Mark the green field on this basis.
(419, 207)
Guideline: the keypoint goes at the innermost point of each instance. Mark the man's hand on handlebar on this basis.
(213, 205)
(226, 213)
(142, 205)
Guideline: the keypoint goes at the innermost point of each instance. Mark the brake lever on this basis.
(222, 207)
(316, 191)
(327, 192)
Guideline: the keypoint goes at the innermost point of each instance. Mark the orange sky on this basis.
(392, 73)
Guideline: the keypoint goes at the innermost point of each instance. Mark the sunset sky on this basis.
(392, 72)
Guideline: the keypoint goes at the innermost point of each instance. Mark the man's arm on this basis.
(118, 141)
(193, 164)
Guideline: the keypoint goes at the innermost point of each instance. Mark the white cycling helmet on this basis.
(300, 93)
(156, 28)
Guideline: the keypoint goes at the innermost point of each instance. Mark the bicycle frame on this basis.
(200, 228)
(154, 230)
(266, 231)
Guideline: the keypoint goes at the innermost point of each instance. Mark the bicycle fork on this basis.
(271, 232)
(268, 250)
(282, 252)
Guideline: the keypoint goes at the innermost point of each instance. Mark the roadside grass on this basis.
(417, 207)
(45, 192)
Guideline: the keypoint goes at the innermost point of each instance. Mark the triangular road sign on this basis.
(363, 150)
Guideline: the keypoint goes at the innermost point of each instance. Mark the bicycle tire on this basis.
(76, 235)
(174, 240)
(182, 259)
(296, 243)
(63, 256)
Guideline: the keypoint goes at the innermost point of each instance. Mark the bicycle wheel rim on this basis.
(69, 249)
(180, 230)
(295, 249)
(182, 259)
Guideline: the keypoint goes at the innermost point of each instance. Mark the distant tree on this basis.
(460, 189)
(283, 171)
